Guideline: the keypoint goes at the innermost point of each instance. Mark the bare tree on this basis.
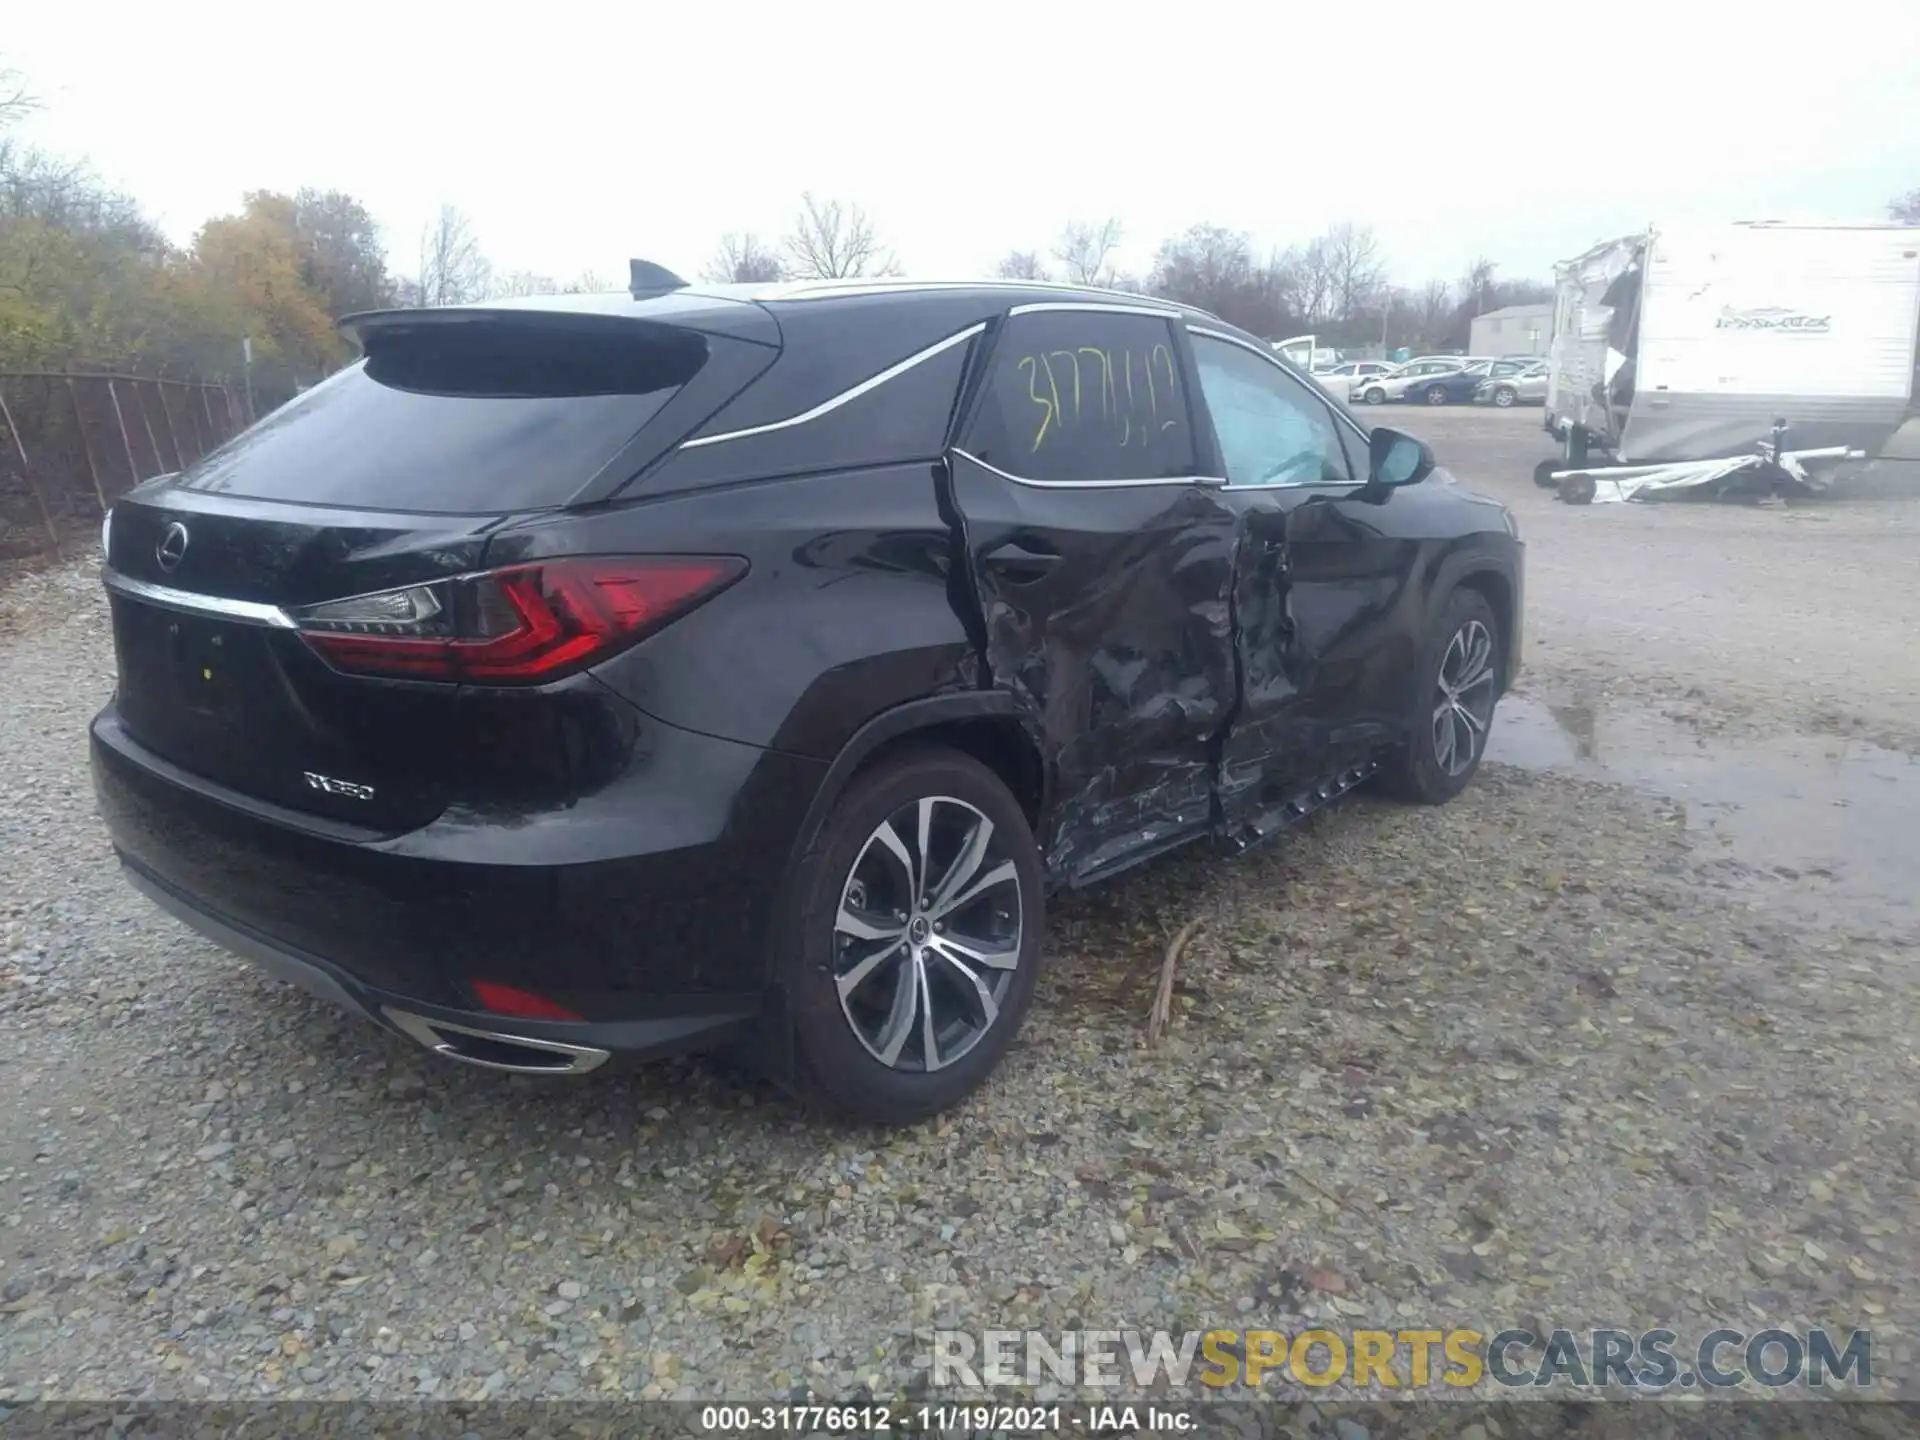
(1398, 314)
(1433, 311)
(340, 251)
(1314, 286)
(1478, 287)
(453, 270)
(16, 100)
(1085, 248)
(1354, 268)
(742, 259)
(530, 282)
(834, 240)
(1906, 208)
(1522, 292)
(522, 282)
(66, 195)
(1207, 266)
(1021, 265)
(1213, 268)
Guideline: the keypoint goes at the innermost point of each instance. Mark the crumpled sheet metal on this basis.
(1128, 686)
(1735, 475)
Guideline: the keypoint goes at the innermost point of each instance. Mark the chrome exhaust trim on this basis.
(443, 1038)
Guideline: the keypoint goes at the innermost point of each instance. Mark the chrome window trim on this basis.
(1266, 353)
(1211, 481)
(1102, 307)
(830, 289)
(872, 382)
(246, 612)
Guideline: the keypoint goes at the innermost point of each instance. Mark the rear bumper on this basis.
(492, 1042)
(643, 906)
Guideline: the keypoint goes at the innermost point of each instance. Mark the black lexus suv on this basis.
(742, 667)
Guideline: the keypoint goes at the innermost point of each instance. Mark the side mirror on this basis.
(1394, 458)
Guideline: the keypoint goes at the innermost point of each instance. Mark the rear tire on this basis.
(1578, 489)
(864, 1053)
(1436, 395)
(1459, 684)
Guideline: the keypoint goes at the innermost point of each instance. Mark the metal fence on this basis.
(74, 441)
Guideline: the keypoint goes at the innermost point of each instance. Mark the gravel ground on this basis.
(1529, 1057)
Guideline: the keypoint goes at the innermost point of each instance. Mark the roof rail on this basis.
(896, 285)
(647, 278)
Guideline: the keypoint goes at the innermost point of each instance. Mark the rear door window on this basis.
(1085, 395)
(464, 419)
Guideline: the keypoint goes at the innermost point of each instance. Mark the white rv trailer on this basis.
(1690, 344)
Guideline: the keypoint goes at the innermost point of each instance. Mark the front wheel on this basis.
(914, 938)
(1375, 396)
(1459, 683)
(1436, 395)
(1504, 397)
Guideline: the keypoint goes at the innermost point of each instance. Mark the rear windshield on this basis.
(460, 418)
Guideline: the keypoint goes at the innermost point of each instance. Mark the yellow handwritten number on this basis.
(1163, 354)
(1032, 367)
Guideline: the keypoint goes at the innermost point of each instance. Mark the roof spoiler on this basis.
(647, 278)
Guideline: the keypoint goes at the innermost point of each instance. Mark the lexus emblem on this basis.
(172, 548)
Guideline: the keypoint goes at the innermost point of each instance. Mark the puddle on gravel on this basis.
(1822, 826)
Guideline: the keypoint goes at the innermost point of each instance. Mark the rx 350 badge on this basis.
(327, 785)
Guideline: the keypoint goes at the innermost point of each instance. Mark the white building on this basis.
(1513, 330)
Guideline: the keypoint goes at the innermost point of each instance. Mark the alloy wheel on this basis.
(927, 937)
(1375, 396)
(1503, 398)
(1464, 699)
(1436, 396)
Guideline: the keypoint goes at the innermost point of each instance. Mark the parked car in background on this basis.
(1339, 380)
(1526, 385)
(1379, 389)
(1462, 385)
(743, 666)
(1456, 387)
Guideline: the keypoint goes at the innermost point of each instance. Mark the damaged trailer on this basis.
(1730, 360)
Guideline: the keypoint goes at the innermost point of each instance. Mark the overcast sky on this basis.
(577, 135)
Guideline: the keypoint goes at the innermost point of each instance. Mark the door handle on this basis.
(1023, 561)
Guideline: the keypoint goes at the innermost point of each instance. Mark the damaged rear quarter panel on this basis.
(844, 612)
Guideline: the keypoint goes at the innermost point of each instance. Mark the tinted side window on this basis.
(1272, 429)
(904, 418)
(1085, 395)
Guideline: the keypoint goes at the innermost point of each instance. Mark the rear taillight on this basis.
(526, 624)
